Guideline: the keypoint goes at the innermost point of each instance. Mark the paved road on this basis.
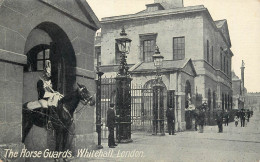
(234, 144)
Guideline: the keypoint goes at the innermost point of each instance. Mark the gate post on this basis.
(98, 108)
(123, 92)
(123, 109)
(158, 110)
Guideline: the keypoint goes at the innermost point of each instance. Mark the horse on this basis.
(61, 117)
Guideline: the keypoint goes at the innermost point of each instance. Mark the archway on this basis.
(147, 101)
(47, 42)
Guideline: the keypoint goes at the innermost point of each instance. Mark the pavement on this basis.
(234, 144)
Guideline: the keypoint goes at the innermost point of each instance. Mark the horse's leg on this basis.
(26, 129)
(58, 139)
(65, 140)
(26, 123)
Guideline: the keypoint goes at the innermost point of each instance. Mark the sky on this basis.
(243, 17)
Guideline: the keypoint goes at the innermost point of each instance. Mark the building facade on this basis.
(196, 50)
(62, 32)
(252, 101)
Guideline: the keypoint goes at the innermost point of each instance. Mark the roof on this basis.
(174, 11)
(223, 28)
(79, 10)
(154, 13)
(168, 66)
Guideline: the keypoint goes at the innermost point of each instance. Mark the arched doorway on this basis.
(47, 42)
(147, 104)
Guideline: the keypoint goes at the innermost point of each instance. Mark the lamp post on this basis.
(98, 108)
(123, 92)
(158, 109)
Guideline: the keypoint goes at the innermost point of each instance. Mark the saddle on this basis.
(37, 104)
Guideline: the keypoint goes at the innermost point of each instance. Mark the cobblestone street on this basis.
(234, 144)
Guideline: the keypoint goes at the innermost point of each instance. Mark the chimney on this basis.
(169, 4)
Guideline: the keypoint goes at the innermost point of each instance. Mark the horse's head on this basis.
(85, 95)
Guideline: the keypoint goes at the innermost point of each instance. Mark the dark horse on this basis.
(61, 117)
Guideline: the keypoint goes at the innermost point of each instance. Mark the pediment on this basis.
(189, 68)
(223, 28)
(77, 9)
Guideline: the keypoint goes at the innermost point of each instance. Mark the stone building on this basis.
(252, 101)
(32, 32)
(196, 50)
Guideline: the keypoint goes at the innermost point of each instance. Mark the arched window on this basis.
(37, 57)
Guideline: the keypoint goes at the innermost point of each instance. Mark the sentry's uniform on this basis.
(46, 96)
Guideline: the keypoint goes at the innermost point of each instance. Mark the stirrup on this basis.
(49, 125)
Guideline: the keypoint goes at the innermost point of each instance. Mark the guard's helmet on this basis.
(47, 68)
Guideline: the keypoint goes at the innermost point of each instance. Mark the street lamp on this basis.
(123, 92)
(98, 107)
(124, 44)
(158, 109)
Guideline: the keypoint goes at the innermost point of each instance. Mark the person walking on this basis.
(236, 120)
(219, 120)
(111, 124)
(170, 120)
(201, 117)
(242, 118)
(226, 118)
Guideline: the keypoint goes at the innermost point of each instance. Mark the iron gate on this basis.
(141, 105)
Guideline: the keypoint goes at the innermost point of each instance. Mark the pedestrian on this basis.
(242, 118)
(170, 120)
(226, 118)
(236, 120)
(248, 115)
(111, 124)
(219, 120)
(201, 117)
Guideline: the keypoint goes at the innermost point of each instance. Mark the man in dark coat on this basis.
(242, 117)
(170, 120)
(226, 118)
(111, 125)
(219, 119)
(201, 118)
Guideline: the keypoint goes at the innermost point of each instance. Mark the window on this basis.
(178, 48)
(42, 58)
(208, 50)
(37, 58)
(148, 50)
(147, 46)
(212, 57)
